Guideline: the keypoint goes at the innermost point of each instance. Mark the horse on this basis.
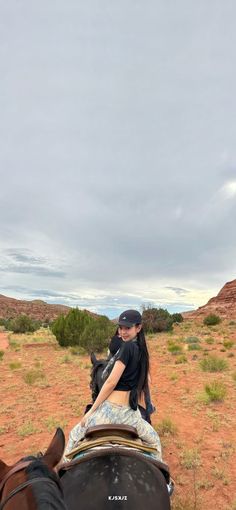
(32, 483)
(116, 478)
(111, 476)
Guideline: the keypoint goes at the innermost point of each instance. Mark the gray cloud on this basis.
(116, 140)
(179, 291)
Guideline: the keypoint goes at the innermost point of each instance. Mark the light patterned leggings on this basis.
(109, 412)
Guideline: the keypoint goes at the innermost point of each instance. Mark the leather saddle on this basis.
(122, 439)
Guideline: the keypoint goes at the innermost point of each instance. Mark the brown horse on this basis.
(31, 483)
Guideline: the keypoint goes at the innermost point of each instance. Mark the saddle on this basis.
(107, 435)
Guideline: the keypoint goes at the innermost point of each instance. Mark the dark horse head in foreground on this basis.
(31, 483)
(113, 478)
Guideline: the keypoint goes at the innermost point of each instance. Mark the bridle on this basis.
(19, 467)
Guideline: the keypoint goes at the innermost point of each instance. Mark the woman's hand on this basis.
(85, 417)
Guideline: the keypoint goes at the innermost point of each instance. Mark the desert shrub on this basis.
(23, 324)
(15, 365)
(190, 459)
(194, 347)
(27, 429)
(232, 323)
(192, 340)
(209, 340)
(80, 329)
(68, 329)
(177, 317)
(32, 376)
(174, 348)
(5, 323)
(156, 320)
(216, 391)
(77, 351)
(213, 364)
(181, 359)
(1, 354)
(212, 320)
(95, 336)
(167, 427)
(234, 376)
(228, 344)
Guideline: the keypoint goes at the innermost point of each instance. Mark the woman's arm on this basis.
(107, 387)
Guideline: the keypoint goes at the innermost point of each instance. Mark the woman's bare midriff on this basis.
(119, 397)
(122, 398)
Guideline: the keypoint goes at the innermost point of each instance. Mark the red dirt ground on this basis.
(3, 341)
(201, 452)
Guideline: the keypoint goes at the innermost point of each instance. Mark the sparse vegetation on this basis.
(220, 474)
(15, 365)
(181, 359)
(174, 377)
(27, 429)
(33, 375)
(228, 344)
(194, 347)
(52, 423)
(192, 340)
(167, 427)
(215, 391)
(174, 348)
(213, 364)
(210, 340)
(183, 421)
(212, 320)
(190, 459)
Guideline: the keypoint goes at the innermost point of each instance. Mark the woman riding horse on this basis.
(117, 401)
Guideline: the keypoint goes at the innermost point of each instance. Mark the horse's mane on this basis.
(94, 383)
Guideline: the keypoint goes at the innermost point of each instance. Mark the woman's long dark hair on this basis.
(144, 362)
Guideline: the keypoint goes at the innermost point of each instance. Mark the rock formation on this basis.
(224, 304)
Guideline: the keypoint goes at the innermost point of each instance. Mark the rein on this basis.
(22, 486)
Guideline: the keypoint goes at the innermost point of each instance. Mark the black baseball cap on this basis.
(129, 318)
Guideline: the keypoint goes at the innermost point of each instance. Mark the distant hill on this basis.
(36, 309)
(224, 304)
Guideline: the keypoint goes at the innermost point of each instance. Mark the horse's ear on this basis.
(55, 450)
(3, 469)
(93, 358)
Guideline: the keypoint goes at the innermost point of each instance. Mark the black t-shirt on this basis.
(129, 355)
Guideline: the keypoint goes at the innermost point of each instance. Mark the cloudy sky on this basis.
(117, 152)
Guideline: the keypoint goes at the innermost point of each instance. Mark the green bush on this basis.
(216, 391)
(210, 340)
(181, 359)
(213, 364)
(96, 335)
(192, 340)
(156, 320)
(228, 344)
(194, 347)
(81, 329)
(23, 324)
(174, 348)
(212, 320)
(177, 317)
